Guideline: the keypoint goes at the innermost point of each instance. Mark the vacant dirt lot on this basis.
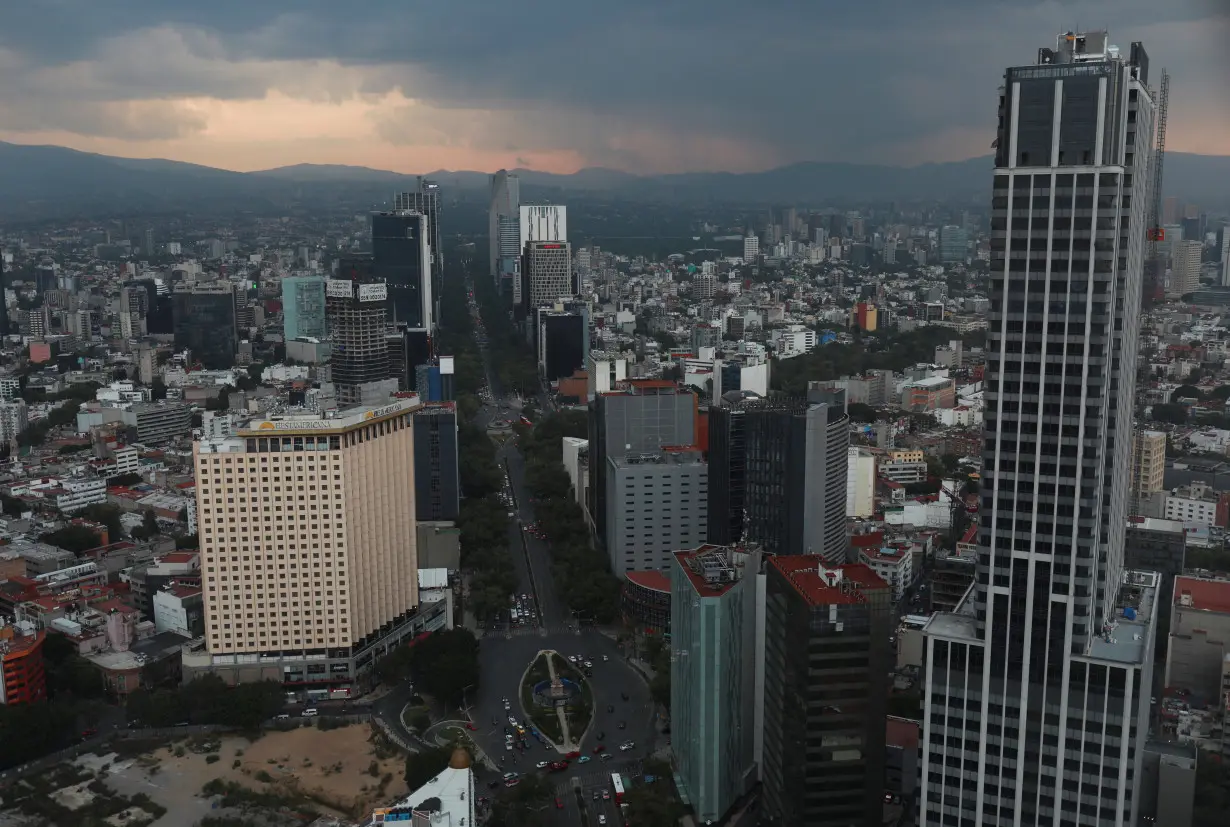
(330, 771)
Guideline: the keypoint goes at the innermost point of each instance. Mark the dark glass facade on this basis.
(204, 322)
(727, 475)
(401, 257)
(561, 345)
(437, 491)
(826, 669)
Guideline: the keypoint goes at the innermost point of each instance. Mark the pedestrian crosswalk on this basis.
(532, 631)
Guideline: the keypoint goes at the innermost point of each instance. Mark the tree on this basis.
(12, 506)
(522, 805)
(651, 806)
(423, 766)
(1185, 392)
(1169, 412)
(124, 480)
(105, 515)
(74, 538)
(445, 665)
(860, 412)
(187, 541)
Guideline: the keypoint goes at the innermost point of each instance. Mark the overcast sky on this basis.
(640, 85)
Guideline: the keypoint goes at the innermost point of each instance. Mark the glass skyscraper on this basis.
(401, 253)
(1038, 684)
(303, 307)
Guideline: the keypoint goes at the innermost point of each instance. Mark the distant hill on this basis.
(50, 181)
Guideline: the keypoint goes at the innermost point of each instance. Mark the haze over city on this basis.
(556, 86)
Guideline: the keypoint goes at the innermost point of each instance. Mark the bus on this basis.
(617, 785)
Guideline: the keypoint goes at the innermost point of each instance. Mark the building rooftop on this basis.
(712, 570)
(886, 554)
(822, 585)
(901, 732)
(681, 455)
(1124, 639)
(159, 647)
(1202, 594)
(651, 579)
(291, 424)
(448, 799)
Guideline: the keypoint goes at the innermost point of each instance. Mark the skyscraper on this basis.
(356, 307)
(303, 307)
(401, 254)
(826, 667)
(546, 273)
(1038, 684)
(504, 232)
(1185, 267)
(204, 319)
(437, 485)
(308, 591)
(953, 243)
(426, 200)
(778, 474)
(4, 299)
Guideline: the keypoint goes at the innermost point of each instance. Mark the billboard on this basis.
(373, 292)
(339, 289)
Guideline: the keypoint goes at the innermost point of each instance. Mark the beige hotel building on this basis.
(307, 537)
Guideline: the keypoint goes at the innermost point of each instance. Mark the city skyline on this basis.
(251, 87)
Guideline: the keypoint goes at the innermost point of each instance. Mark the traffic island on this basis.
(557, 704)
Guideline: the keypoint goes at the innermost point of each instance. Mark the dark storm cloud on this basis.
(802, 78)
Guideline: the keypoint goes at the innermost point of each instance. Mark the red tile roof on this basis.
(801, 570)
(1206, 595)
(651, 579)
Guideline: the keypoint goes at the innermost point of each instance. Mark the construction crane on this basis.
(1156, 233)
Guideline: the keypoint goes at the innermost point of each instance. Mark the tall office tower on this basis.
(437, 484)
(1038, 684)
(954, 242)
(356, 307)
(505, 205)
(1148, 465)
(727, 474)
(827, 658)
(133, 303)
(777, 474)
(4, 299)
(1170, 211)
(1185, 267)
(546, 273)
(716, 597)
(159, 312)
(1223, 245)
(203, 315)
(640, 417)
(705, 335)
(303, 307)
(401, 255)
(545, 222)
(308, 544)
(656, 503)
(426, 200)
(562, 340)
(751, 248)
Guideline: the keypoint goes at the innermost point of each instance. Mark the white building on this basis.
(127, 461)
(1196, 503)
(894, 566)
(172, 607)
(793, 341)
(14, 417)
(746, 374)
(751, 248)
(860, 483)
(605, 371)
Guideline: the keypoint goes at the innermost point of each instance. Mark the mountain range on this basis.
(53, 182)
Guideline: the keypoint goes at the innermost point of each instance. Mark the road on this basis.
(505, 654)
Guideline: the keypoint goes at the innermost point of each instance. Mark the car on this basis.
(509, 775)
(89, 732)
(282, 717)
(623, 724)
(470, 726)
(597, 795)
(601, 818)
(610, 707)
(508, 738)
(557, 766)
(584, 759)
(508, 746)
(606, 795)
(541, 765)
(599, 748)
(512, 721)
(589, 665)
(576, 753)
(627, 745)
(606, 756)
(572, 658)
(311, 712)
(605, 658)
(512, 783)
(559, 805)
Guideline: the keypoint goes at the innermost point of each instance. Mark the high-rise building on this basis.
(1223, 246)
(303, 307)
(778, 474)
(827, 659)
(1038, 685)
(714, 641)
(705, 335)
(4, 298)
(437, 484)
(640, 417)
(1148, 465)
(1170, 211)
(307, 534)
(503, 221)
(543, 222)
(205, 324)
(751, 248)
(954, 242)
(546, 273)
(1185, 267)
(23, 676)
(356, 308)
(401, 255)
(159, 311)
(562, 339)
(656, 504)
(14, 418)
(426, 200)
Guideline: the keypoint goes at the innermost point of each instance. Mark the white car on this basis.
(601, 818)
(509, 776)
(627, 745)
(512, 721)
(541, 765)
(572, 658)
(605, 658)
(508, 746)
